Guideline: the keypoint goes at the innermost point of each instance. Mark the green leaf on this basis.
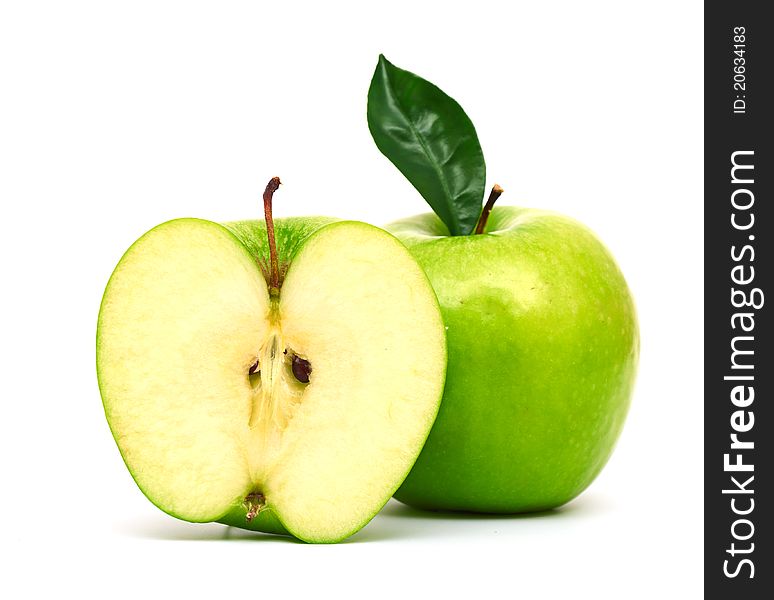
(431, 140)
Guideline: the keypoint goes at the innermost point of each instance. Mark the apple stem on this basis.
(268, 194)
(493, 196)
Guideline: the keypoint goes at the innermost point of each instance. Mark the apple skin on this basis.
(543, 347)
(291, 234)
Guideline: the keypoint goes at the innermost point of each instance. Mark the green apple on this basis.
(276, 377)
(541, 328)
(542, 347)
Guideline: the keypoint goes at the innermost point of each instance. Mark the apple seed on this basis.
(301, 369)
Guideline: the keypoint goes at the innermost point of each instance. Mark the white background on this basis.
(117, 116)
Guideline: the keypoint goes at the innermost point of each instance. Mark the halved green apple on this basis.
(292, 398)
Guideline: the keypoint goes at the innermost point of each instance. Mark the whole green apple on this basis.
(542, 352)
(541, 328)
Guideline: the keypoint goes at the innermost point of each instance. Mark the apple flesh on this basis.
(542, 347)
(293, 410)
